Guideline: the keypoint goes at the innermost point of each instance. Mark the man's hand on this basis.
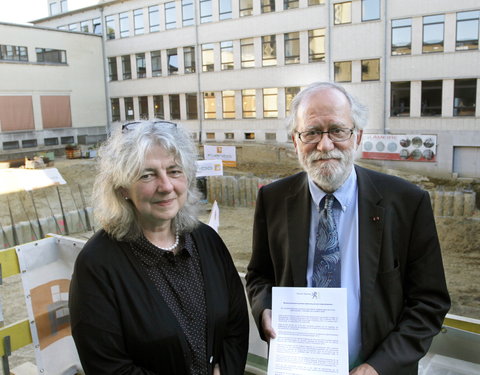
(364, 369)
(267, 325)
(216, 370)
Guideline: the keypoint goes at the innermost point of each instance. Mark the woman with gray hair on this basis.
(155, 291)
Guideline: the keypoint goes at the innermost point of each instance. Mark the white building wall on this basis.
(81, 78)
(353, 42)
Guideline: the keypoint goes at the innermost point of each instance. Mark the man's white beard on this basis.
(330, 175)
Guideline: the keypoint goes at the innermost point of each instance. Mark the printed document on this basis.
(312, 334)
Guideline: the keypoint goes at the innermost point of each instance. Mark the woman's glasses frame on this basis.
(130, 125)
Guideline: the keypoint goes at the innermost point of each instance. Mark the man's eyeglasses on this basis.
(130, 125)
(335, 135)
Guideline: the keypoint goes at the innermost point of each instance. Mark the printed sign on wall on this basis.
(413, 147)
(225, 153)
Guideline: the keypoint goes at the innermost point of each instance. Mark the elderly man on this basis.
(374, 236)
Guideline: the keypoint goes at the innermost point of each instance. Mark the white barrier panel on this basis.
(46, 269)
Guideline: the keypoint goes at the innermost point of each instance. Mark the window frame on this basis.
(425, 46)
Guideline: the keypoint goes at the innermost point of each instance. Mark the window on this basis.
(170, 15)
(129, 114)
(138, 23)
(50, 141)
(226, 53)
(467, 30)
(63, 6)
(210, 111)
(316, 45)
(192, 110)
(11, 145)
(402, 37)
(156, 60)
(270, 136)
(13, 53)
(154, 18)
(343, 71)
(465, 92)
(270, 103)
(172, 61)
(50, 55)
(158, 109)
(207, 57)
(292, 48)
(124, 26)
(67, 140)
(73, 27)
(112, 69)
(187, 12)
(229, 136)
(84, 26)
(225, 9)
(371, 70)
(110, 25)
(189, 59)
(141, 65)
(62, 27)
(174, 106)
(54, 9)
(269, 50)
(249, 136)
(431, 98)
(29, 143)
(342, 13)
(97, 26)
(290, 93)
(247, 53)
(246, 8)
(268, 6)
(433, 33)
(290, 4)
(370, 10)
(205, 11)
(115, 105)
(315, 2)
(400, 99)
(248, 103)
(228, 103)
(126, 67)
(143, 107)
(210, 136)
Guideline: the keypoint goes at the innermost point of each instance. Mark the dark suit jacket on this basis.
(404, 296)
(122, 325)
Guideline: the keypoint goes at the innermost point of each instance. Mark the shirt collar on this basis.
(150, 254)
(344, 194)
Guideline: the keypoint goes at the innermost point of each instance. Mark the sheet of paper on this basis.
(312, 334)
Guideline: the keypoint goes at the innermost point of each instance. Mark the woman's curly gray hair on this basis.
(120, 163)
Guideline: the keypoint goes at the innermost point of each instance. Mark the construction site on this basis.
(66, 209)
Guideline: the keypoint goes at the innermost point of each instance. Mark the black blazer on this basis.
(404, 296)
(121, 324)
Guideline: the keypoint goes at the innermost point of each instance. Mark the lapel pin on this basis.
(375, 218)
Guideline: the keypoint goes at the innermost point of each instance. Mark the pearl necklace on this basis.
(170, 248)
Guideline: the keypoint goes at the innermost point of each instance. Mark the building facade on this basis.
(228, 69)
(52, 90)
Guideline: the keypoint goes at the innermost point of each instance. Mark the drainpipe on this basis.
(199, 86)
(105, 70)
(386, 107)
(329, 40)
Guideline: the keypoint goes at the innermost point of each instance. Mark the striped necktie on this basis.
(326, 263)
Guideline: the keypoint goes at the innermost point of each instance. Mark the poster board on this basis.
(404, 147)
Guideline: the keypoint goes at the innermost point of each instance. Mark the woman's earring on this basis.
(126, 198)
